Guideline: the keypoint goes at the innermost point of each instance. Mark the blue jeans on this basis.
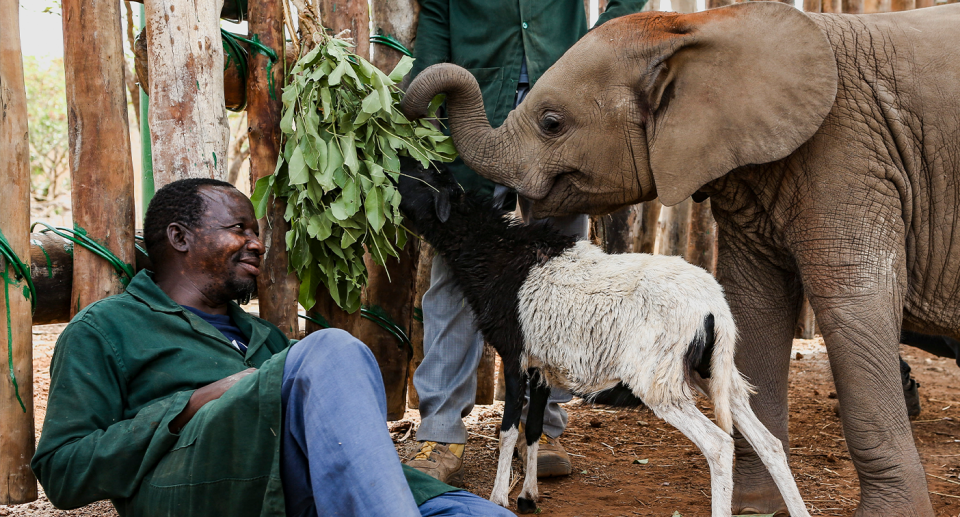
(337, 457)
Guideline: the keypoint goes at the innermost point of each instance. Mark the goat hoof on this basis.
(525, 505)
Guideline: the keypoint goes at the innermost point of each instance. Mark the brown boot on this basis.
(441, 461)
(552, 459)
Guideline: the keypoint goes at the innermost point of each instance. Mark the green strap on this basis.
(389, 41)
(418, 314)
(237, 53)
(79, 236)
(373, 313)
(21, 271)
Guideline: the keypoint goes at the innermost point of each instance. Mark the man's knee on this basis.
(333, 347)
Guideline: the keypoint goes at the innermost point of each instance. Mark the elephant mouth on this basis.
(549, 190)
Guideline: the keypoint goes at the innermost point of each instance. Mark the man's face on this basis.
(225, 248)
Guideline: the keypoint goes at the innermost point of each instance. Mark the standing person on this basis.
(507, 45)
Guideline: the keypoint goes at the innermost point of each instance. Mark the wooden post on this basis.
(99, 134)
(806, 323)
(924, 3)
(424, 265)
(612, 231)
(811, 6)
(397, 18)
(719, 3)
(188, 118)
(902, 5)
(831, 6)
(338, 15)
(645, 226)
(674, 227)
(702, 237)
(486, 372)
(684, 6)
(17, 484)
(277, 288)
(852, 6)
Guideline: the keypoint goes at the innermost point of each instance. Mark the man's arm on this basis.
(433, 35)
(202, 396)
(87, 450)
(617, 8)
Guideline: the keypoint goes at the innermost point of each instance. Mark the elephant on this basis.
(829, 146)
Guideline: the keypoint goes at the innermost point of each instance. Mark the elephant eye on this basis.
(551, 123)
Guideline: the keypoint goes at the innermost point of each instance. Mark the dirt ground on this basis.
(605, 446)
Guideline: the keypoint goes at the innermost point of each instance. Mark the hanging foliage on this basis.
(343, 136)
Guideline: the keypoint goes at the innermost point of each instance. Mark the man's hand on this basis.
(211, 391)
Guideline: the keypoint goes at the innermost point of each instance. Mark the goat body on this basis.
(563, 313)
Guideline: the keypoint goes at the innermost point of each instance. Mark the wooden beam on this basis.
(811, 6)
(397, 18)
(612, 231)
(99, 132)
(17, 484)
(674, 227)
(188, 118)
(853, 6)
(719, 3)
(902, 5)
(277, 287)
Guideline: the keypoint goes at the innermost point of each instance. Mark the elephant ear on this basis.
(745, 84)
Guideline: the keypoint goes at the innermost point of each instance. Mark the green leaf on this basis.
(402, 69)
(371, 103)
(286, 123)
(298, 168)
(373, 205)
(349, 147)
(261, 196)
(334, 78)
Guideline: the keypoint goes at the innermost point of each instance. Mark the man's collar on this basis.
(143, 288)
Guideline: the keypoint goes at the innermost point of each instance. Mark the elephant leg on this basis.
(765, 301)
(861, 333)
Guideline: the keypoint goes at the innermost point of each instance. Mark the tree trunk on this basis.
(328, 309)
(277, 288)
(902, 5)
(486, 376)
(674, 227)
(719, 3)
(807, 322)
(645, 226)
(924, 3)
(702, 237)
(685, 6)
(612, 231)
(500, 393)
(397, 18)
(424, 265)
(188, 118)
(811, 6)
(394, 295)
(338, 15)
(17, 484)
(99, 133)
(831, 6)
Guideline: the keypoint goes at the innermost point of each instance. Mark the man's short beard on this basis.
(240, 290)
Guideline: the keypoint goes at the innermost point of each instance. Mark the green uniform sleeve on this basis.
(433, 35)
(617, 8)
(91, 448)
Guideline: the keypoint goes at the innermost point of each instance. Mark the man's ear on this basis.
(441, 202)
(177, 237)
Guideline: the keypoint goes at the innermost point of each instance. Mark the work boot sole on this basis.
(552, 466)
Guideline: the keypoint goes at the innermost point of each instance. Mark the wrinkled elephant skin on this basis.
(830, 148)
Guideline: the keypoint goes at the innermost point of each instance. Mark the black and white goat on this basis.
(563, 313)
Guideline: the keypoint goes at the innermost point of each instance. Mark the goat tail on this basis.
(725, 380)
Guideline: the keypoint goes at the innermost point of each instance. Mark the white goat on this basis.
(566, 314)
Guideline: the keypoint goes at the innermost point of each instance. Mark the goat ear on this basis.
(441, 201)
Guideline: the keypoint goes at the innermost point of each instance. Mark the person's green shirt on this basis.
(490, 38)
(123, 369)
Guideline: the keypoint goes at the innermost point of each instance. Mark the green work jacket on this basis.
(490, 38)
(123, 369)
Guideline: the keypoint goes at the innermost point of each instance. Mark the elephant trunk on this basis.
(490, 152)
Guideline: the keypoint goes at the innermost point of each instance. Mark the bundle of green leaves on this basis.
(343, 135)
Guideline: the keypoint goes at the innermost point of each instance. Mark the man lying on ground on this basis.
(170, 400)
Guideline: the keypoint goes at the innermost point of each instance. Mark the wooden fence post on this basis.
(276, 288)
(902, 5)
(397, 18)
(612, 231)
(719, 3)
(674, 228)
(811, 6)
(424, 266)
(99, 134)
(188, 118)
(853, 6)
(17, 484)
(702, 237)
(645, 226)
(348, 14)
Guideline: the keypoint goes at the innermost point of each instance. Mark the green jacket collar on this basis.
(143, 288)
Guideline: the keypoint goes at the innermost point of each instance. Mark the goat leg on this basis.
(539, 393)
(516, 384)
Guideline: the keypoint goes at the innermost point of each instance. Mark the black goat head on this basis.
(426, 192)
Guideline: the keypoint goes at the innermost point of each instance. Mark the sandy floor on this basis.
(604, 445)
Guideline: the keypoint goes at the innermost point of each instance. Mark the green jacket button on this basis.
(524, 25)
